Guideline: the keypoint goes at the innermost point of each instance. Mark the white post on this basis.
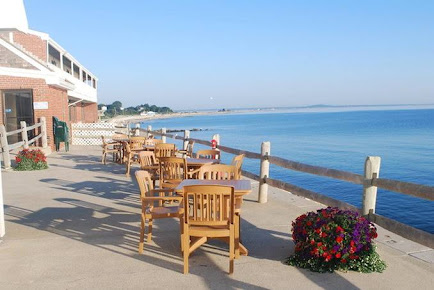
(148, 132)
(24, 135)
(217, 138)
(2, 212)
(44, 132)
(5, 146)
(163, 136)
(372, 171)
(137, 131)
(264, 173)
(186, 137)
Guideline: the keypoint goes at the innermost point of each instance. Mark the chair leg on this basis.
(186, 252)
(149, 238)
(128, 166)
(181, 226)
(237, 236)
(142, 234)
(103, 158)
(231, 249)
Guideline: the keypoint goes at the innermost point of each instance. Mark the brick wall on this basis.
(33, 44)
(90, 113)
(57, 100)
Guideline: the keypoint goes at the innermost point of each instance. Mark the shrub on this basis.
(333, 239)
(30, 160)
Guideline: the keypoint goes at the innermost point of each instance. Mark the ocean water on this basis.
(404, 139)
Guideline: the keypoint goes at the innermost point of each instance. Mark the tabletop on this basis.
(201, 161)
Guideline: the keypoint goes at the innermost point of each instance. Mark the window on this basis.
(53, 56)
(76, 71)
(83, 76)
(67, 65)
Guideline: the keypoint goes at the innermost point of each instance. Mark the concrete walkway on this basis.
(76, 225)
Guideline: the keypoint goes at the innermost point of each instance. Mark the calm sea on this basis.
(404, 139)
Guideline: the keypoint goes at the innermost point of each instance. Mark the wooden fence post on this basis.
(2, 213)
(264, 173)
(186, 137)
(217, 138)
(163, 135)
(44, 132)
(149, 129)
(137, 131)
(5, 147)
(372, 171)
(24, 135)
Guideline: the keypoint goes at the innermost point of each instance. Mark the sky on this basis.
(248, 53)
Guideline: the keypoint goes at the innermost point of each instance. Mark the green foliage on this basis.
(30, 160)
(332, 239)
(115, 109)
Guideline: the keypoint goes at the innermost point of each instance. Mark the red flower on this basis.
(17, 159)
(343, 261)
(319, 244)
(318, 231)
(309, 223)
(339, 229)
(328, 258)
(312, 242)
(323, 235)
(338, 255)
(339, 239)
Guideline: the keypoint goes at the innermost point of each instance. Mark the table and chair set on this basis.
(205, 195)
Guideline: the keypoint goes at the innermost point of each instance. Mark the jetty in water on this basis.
(76, 225)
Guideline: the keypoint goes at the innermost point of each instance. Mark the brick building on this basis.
(38, 77)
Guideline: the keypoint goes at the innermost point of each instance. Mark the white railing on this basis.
(25, 142)
(90, 133)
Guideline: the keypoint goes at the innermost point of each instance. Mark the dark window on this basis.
(67, 65)
(53, 56)
(76, 71)
(18, 106)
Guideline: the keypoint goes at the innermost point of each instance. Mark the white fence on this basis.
(90, 133)
(25, 143)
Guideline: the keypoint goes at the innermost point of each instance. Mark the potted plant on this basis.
(334, 239)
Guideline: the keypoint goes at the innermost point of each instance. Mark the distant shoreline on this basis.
(123, 120)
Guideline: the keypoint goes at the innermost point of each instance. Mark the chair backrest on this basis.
(172, 168)
(145, 182)
(209, 205)
(190, 146)
(237, 161)
(137, 142)
(209, 154)
(164, 150)
(147, 158)
(218, 172)
(153, 142)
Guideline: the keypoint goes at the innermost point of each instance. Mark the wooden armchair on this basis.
(149, 163)
(237, 161)
(164, 150)
(115, 148)
(173, 170)
(137, 142)
(153, 142)
(189, 151)
(209, 154)
(216, 220)
(154, 205)
(218, 172)
(130, 157)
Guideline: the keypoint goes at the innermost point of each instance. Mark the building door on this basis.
(18, 106)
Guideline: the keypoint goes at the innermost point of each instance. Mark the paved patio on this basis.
(76, 225)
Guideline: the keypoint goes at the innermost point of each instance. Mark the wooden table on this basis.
(241, 188)
(199, 162)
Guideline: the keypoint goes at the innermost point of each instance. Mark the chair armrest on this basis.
(191, 173)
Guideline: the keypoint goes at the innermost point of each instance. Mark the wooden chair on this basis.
(173, 170)
(149, 163)
(153, 142)
(237, 161)
(218, 172)
(209, 153)
(154, 205)
(164, 150)
(130, 157)
(189, 151)
(213, 221)
(110, 147)
(137, 142)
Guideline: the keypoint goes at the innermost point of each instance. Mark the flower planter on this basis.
(30, 160)
(333, 239)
